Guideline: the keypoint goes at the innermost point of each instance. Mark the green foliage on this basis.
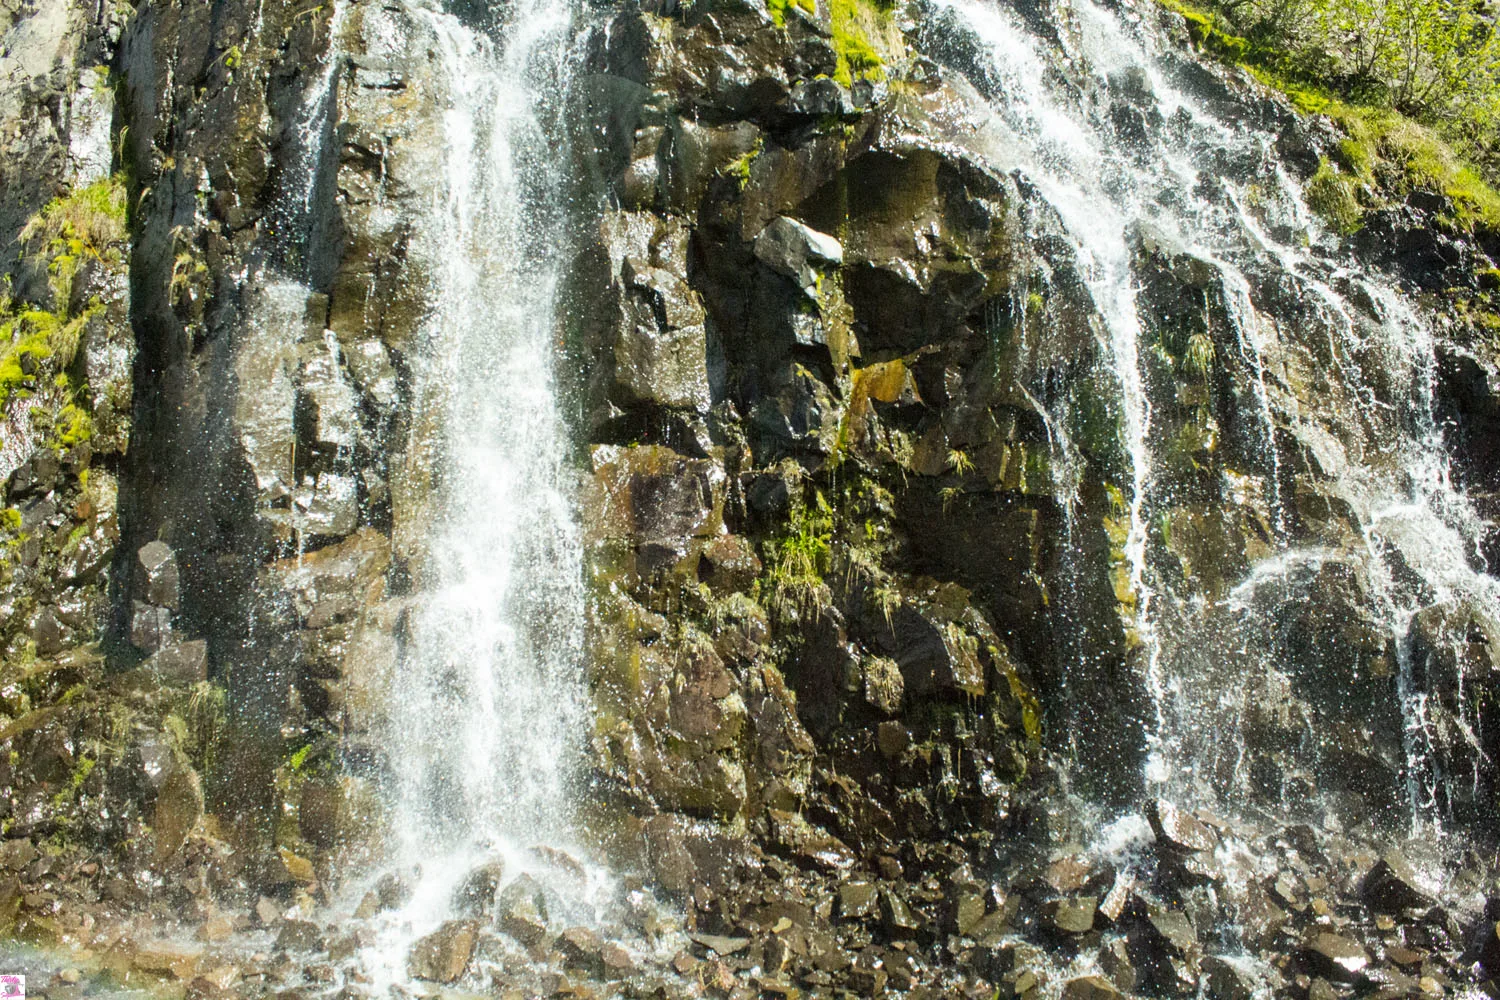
(779, 8)
(853, 23)
(860, 31)
(38, 345)
(739, 167)
(85, 222)
(800, 558)
(207, 720)
(1198, 359)
(1414, 85)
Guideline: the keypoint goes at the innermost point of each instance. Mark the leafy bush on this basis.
(1437, 61)
(1414, 85)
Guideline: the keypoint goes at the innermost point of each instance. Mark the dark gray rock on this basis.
(180, 663)
(1391, 886)
(792, 249)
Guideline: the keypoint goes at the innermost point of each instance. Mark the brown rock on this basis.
(721, 945)
(179, 807)
(1114, 961)
(180, 663)
(164, 958)
(299, 935)
(1223, 980)
(856, 900)
(581, 948)
(1334, 957)
(295, 867)
(216, 929)
(884, 688)
(443, 955)
(1089, 988)
(616, 961)
(1071, 916)
(476, 894)
(892, 738)
(896, 917)
(266, 911)
(1179, 831)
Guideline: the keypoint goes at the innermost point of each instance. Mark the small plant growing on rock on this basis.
(800, 558)
(959, 462)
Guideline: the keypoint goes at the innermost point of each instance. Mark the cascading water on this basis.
(1111, 127)
(486, 712)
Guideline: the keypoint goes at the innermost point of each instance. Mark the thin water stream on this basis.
(1214, 189)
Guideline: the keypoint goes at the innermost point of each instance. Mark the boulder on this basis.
(1178, 831)
(795, 251)
(299, 935)
(1227, 980)
(1089, 988)
(477, 893)
(1391, 886)
(857, 900)
(1071, 916)
(522, 910)
(443, 956)
(150, 626)
(179, 807)
(582, 948)
(1335, 957)
(157, 564)
(180, 664)
(884, 686)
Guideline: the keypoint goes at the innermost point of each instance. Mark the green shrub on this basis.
(1413, 84)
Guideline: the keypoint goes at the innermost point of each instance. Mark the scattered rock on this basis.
(300, 936)
(179, 807)
(476, 894)
(896, 917)
(443, 955)
(1225, 980)
(1089, 988)
(1071, 916)
(1179, 831)
(616, 961)
(857, 900)
(721, 945)
(790, 248)
(158, 568)
(1391, 886)
(1335, 957)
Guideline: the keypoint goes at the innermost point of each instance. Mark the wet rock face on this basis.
(866, 406)
(846, 599)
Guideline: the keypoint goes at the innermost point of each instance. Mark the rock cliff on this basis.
(1025, 551)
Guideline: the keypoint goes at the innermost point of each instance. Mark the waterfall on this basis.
(492, 669)
(1212, 185)
(486, 712)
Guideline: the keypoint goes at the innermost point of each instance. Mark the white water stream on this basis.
(487, 716)
(1215, 188)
